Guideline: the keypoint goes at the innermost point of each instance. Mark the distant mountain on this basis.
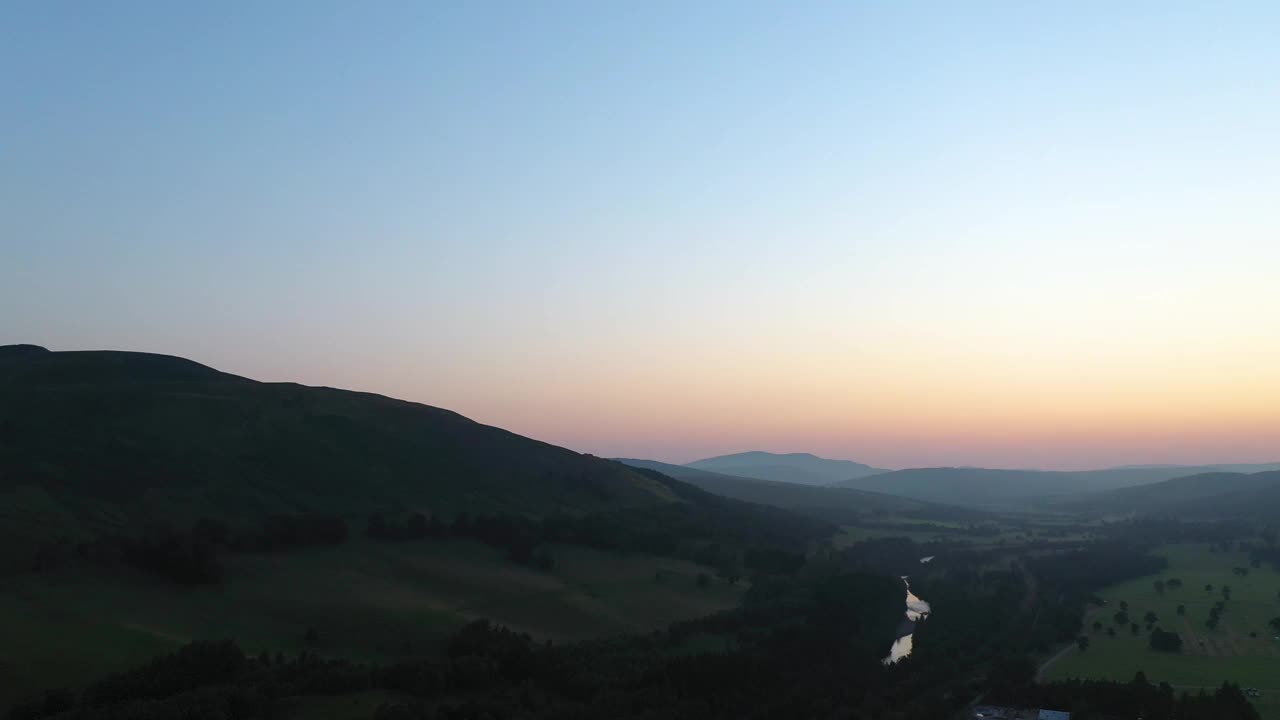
(1205, 495)
(983, 487)
(801, 468)
(828, 503)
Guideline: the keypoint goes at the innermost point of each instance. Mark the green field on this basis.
(367, 600)
(1209, 657)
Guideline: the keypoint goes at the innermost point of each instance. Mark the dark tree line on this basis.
(525, 539)
(191, 556)
(1102, 700)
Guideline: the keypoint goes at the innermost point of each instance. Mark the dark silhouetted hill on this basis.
(102, 440)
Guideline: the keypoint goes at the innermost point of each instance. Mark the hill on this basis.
(799, 468)
(101, 442)
(843, 505)
(983, 487)
(148, 500)
(1216, 495)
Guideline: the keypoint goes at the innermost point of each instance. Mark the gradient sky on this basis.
(1008, 234)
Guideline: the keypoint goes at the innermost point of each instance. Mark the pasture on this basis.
(366, 600)
(1241, 649)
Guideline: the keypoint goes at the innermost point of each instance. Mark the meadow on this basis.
(1241, 649)
(365, 601)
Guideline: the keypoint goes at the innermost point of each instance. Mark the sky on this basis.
(1005, 234)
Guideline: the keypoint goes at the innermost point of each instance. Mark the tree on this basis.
(417, 525)
(1133, 628)
(1208, 587)
(1111, 632)
(1165, 641)
(1159, 586)
(544, 560)
(1097, 626)
(1121, 618)
(1182, 609)
(1150, 618)
(1124, 605)
(1275, 624)
(1226, 592)
(376, 527)
(1083, 642)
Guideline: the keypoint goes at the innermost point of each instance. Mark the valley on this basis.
(182, 538)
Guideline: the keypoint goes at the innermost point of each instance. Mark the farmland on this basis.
(1240, 649)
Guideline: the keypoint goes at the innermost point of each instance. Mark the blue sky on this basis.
(674, 229)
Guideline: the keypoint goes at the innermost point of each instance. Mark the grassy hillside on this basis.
(367, 601)
(801, 468)
(841, 505)
(99, 441)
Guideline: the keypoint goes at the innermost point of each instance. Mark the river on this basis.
(917, 611)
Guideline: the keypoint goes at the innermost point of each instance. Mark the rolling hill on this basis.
(799, 468)
(829, 503)
(1202, 496)
(983, 487)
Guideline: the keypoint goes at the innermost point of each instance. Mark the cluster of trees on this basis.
(1152, 530)
(525, 539)
(1083, 571)
(1166, 641)
(1268, 554)
(1067, 582)
(1215, 615)
(285, 532)
(191, 556)
(1099, 700)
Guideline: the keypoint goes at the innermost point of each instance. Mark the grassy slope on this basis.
(1228, 654)
(368, 601)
